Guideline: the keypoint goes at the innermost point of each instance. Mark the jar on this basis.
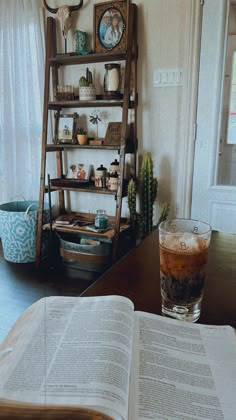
(112, 81)
(113, 182)
(101, 219)
(100, 177)
(114, 167)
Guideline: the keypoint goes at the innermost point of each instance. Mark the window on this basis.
(21, 96)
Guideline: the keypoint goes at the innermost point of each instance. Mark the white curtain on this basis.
(21, 98)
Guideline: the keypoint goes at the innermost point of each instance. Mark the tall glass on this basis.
(184, 247)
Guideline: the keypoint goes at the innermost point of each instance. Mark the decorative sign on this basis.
(113, 134)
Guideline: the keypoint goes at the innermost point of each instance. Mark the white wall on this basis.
(165, 37)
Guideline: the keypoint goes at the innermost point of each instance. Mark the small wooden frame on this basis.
(113, 134)
(111, 25)
(65, 128)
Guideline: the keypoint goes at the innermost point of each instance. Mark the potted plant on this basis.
(142, 221)
(87, 91)
(82, 136)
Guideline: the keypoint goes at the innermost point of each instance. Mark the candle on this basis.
(112, 78)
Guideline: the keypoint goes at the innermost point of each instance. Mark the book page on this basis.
(75, 352)
(185, 371)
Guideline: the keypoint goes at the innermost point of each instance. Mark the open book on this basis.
(96, 358)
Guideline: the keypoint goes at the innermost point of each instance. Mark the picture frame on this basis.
(111, 26)
(80, 171)
(65, 128)
(113, 134)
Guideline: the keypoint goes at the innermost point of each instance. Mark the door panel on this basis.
(211, 202)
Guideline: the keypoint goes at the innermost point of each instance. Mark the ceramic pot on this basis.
(114, 167)
(87, 93)
(113, 182)
(82, 138)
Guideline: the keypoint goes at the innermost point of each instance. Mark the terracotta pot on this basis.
(82, 138)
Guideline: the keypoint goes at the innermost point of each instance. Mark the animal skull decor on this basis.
(64, 14)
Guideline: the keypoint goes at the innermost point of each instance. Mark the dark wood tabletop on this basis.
(136, 276)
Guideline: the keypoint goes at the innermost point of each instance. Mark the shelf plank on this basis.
(89, 188)
(58, 147)
(85, 189)
(61, 147)
(85, 104)
(108, 235)
(68, 59)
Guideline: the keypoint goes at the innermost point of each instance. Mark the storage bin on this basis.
(77, 253)
(18, 227)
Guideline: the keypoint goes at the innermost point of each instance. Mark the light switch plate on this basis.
(168, 77)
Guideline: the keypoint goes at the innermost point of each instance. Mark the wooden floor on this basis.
(21, 285)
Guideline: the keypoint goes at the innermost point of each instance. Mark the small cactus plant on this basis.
(132, 192)
(83, 82)
(148, 193)
(86, 81)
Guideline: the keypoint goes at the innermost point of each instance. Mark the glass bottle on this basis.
(101, 219)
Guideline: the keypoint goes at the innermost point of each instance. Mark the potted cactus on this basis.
(82, 136)
(142, 221)
(87, 91)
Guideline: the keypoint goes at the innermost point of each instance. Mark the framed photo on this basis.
(80, 171)
(65, 128)
(110, 25)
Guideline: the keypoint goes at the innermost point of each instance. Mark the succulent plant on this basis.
(81, 131)
(148, 193)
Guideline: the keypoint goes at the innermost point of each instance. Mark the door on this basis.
(212, 201)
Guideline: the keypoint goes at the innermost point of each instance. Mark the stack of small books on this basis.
(71, 219)
(65, 219)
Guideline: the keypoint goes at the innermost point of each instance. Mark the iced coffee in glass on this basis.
(184, 247)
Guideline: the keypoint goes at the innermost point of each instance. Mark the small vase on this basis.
(81, 43)
(82, 138)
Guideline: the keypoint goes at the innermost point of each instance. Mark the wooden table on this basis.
(136, 276)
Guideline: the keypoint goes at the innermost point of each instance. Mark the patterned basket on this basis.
(18, 226)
